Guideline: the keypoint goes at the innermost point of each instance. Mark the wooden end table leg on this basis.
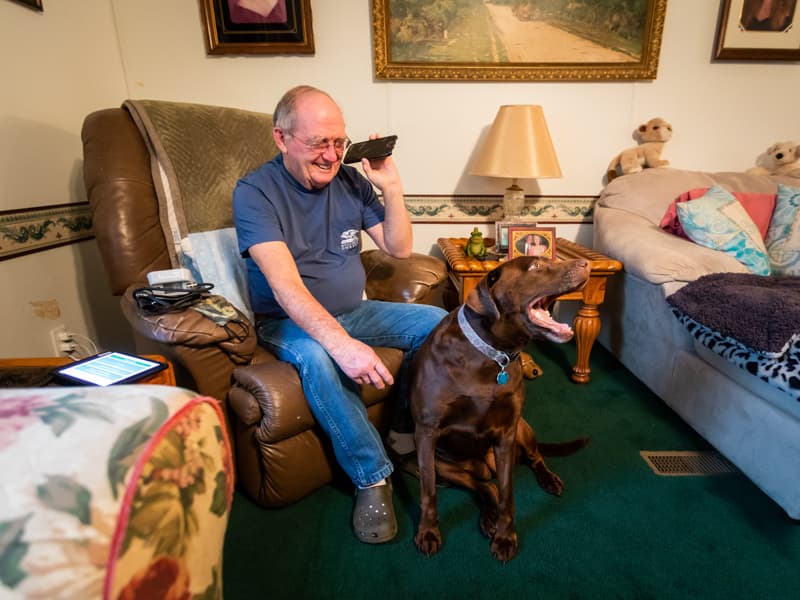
(586, 326)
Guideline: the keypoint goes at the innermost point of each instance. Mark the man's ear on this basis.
(480, 299)
(277, 135)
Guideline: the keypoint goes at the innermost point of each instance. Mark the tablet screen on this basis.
(109, 368)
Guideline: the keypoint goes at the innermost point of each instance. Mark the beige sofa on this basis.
(753, 424)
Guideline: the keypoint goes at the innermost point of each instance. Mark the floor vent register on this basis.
(687, 463)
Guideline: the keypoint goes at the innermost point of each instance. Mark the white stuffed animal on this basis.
(782, 158)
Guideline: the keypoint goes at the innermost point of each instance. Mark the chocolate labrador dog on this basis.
(467, 395)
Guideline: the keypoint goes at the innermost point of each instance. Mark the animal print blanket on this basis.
(750, 320)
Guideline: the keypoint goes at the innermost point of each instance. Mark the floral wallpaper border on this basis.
(472, 209)
(31, 230)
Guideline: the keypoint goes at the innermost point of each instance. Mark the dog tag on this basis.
(502, 378)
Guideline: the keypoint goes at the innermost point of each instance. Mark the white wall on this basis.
(79, 56)
(57, 66)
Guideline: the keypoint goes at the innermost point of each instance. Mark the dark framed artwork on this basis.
(34, 4)
(531, 241)
(517, 40)
(758, 30)
(258, 26)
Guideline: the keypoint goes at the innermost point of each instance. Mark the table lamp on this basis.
(518, 146)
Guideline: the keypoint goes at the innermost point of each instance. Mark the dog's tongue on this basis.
(555, 331)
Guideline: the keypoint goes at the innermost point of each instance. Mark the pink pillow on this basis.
(758, 206)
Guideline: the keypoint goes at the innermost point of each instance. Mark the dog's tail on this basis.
(562, 448)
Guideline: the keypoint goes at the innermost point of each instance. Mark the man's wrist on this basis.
(393, 194)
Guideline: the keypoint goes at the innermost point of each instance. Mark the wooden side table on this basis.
(465, 273)
(165, 377)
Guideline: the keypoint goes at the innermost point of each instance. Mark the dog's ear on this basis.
(480, 299)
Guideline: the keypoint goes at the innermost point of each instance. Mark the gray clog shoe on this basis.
(373, 516)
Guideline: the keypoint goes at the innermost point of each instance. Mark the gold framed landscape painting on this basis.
(759, 30)
(517, 40)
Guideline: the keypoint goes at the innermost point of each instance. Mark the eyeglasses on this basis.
(322, 144)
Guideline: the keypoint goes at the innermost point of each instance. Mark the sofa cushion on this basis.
(649, 193)
(758, 206)
(717, 220)
(783, 238)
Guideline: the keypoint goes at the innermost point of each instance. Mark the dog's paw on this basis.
(530, 369)
(488, 521)
(504, 548)
(549, 481)
(429, 541)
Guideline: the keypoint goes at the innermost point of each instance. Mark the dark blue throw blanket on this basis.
(760, 312)
(750, 320)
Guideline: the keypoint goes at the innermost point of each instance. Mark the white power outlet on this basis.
(60, 338)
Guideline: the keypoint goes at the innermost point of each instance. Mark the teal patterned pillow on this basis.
(718, 221)
(783, 236)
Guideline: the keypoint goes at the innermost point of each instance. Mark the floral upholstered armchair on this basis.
(118, 492)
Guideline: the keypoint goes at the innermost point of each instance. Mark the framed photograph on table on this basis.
(531, 241)
(759, 30)
(258, 26)
(501, 233)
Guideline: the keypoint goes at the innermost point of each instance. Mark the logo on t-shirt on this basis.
(349, 239)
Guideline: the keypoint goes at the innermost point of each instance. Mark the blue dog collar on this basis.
(501, 358)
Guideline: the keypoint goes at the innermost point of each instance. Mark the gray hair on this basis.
(284, 115)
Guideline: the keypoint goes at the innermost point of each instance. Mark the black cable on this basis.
(160, 300)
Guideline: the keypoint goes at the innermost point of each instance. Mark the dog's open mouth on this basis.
(541, 318)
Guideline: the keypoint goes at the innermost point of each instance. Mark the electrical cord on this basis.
(88, 345)
(160, 300)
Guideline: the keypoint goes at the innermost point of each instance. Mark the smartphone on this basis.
(108, 368)
(377, 148)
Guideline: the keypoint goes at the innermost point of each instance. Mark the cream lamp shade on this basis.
(518, 146)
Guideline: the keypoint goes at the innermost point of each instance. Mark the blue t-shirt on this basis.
(322, 229)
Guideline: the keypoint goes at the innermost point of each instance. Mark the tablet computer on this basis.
(108, 368)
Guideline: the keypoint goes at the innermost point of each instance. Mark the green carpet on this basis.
(619, 530)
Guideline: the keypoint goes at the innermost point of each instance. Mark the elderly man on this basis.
(298, 220)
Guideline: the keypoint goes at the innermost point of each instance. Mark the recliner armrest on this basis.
(189, 327)
(204, 353)
(270, 394)
(409, 279)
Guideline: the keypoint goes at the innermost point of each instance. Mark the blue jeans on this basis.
(334, 398)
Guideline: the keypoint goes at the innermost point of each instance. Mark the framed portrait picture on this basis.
(34, 4)
(523, 40)
(531, 241)
(759, 30)
(258, 26)
(501, 233)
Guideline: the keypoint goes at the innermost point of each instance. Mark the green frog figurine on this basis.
(475, 246)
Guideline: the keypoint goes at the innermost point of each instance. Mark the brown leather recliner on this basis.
(280, 452)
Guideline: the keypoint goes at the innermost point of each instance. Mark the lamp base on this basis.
(513, 202)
